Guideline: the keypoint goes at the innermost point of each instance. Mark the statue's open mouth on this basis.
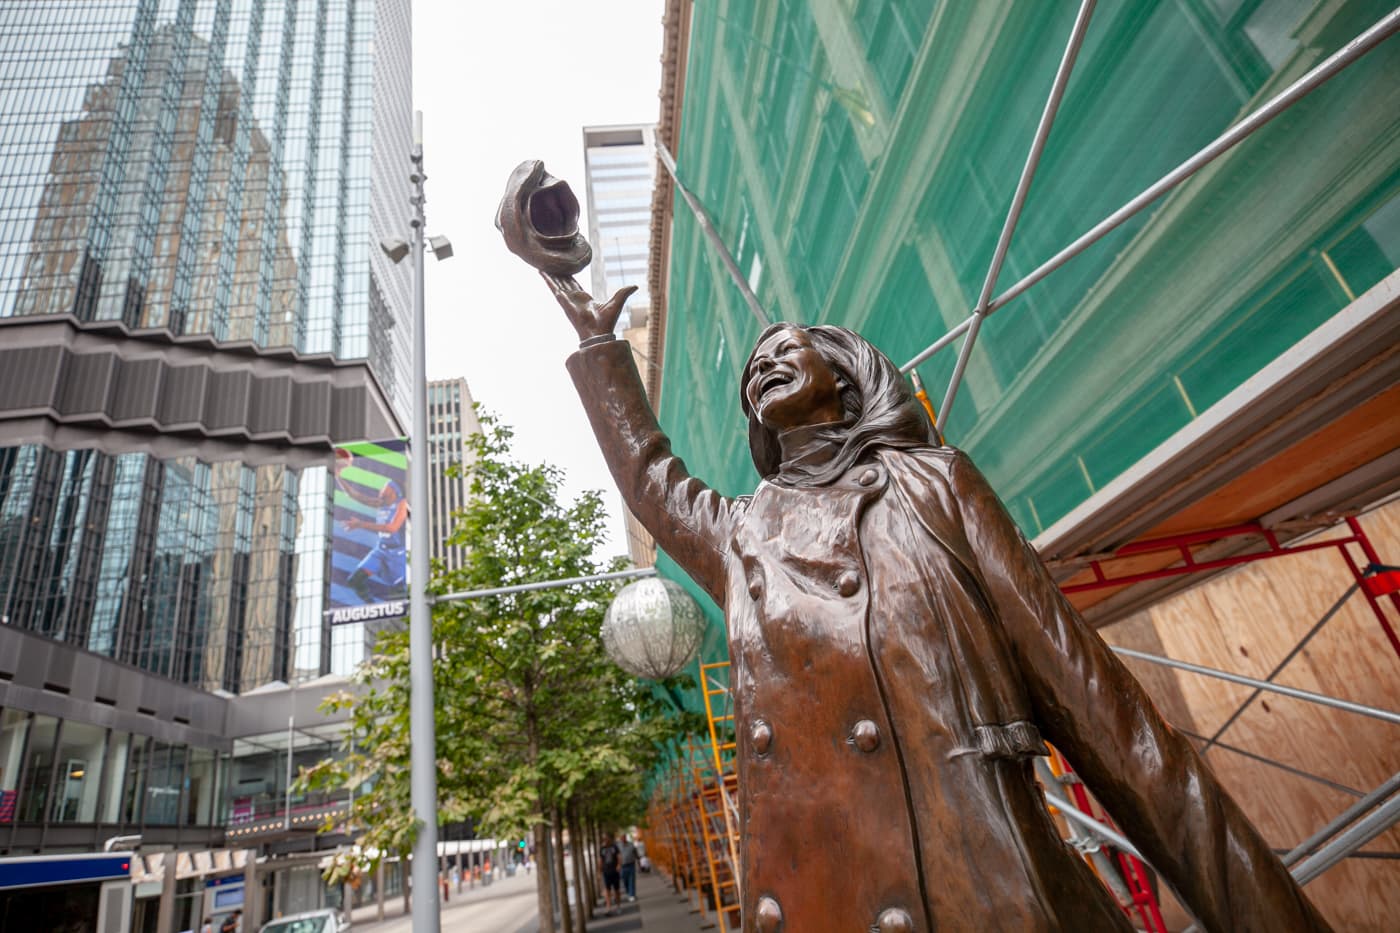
(772, 381)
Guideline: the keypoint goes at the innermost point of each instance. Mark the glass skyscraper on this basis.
(193, 309)
(203, 168)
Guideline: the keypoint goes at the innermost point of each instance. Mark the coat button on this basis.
(868, 478)
(848, 583)
(865, 735)
(895, 920)
(769, 915)
(761, 734)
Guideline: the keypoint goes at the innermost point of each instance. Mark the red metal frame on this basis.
(1134, 872)
(1373, 584)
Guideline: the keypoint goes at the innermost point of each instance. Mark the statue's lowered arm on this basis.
(1146, 773)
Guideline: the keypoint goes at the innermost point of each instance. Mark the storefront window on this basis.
(165, 784)
(201, 787)
(13, 725)
(81, 748)
(38, 768)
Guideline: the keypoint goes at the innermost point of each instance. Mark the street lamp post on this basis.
(422, 738)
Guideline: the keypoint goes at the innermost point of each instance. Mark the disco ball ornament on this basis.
(653, 628)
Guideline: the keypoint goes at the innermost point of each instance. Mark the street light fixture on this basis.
(423, 741)
(441, 248)
(395, 249)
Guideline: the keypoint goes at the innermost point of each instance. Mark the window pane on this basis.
(13, 726)
(81, 749)
(38, 768)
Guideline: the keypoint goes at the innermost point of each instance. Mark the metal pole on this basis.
(1294, 692)
(544, 585)
(1071, 812)
(1349, 53)
(937, 345)
(423, 754)
(1362, 832)
(287, 793)
(711, 234)
(1018, 201)
(1290, 95)
(1345, 818)
(1278, 668)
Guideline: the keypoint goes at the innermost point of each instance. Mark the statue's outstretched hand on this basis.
(590, 318)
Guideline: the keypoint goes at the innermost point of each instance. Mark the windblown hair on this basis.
(879, 405)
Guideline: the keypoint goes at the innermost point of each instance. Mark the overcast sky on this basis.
(499, 83)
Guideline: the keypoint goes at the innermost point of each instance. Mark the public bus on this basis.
(88, 891)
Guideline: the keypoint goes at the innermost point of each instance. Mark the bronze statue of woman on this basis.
(898, 654)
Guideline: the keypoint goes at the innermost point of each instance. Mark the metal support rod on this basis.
(1071, 812)
(711, 234)
(287, 791)
(1342, 820)
(1278, 668)
(1089, 845)
(544, 585)
(1286, 98)
(1018, 200)
(421, 728)
(1290, 95)
(937, 345)
(1273, 763)
(1318, 698)
(1360, 833)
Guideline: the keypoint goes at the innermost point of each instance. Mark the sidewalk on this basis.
(464, 911)
(657, 909)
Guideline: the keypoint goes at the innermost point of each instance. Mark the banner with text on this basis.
(369, 546)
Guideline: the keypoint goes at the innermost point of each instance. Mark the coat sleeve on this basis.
(688, 519)
(1145, 773)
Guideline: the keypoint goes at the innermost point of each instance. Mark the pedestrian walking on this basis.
(627, 862)
(609, 856)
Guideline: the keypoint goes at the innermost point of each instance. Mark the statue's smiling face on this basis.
(791, 384)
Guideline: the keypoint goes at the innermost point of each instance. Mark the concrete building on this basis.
(451, 421)
(192, 311)
(1211, 383)
(619, 178)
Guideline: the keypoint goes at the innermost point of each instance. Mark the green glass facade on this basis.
(859, 157)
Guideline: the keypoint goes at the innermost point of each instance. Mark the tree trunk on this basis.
(584, 902)
(544, 878)
(594, 842)
(590, 870)
(562, 883)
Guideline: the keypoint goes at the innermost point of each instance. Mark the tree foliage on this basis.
(531, 716)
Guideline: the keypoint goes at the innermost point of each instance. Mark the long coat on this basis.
(897, 650)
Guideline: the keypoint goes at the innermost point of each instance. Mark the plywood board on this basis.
(1247, 621)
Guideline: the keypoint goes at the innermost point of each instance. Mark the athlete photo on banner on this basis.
(369, 546)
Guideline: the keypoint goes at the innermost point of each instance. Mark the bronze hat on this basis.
(538, 217)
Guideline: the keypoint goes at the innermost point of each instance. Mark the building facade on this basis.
(1212, 378)
(193, 310)
(620, 177)
(451, 421)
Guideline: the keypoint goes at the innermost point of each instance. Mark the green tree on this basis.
(534, 724)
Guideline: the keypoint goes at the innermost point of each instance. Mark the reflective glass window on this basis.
(81, 750)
